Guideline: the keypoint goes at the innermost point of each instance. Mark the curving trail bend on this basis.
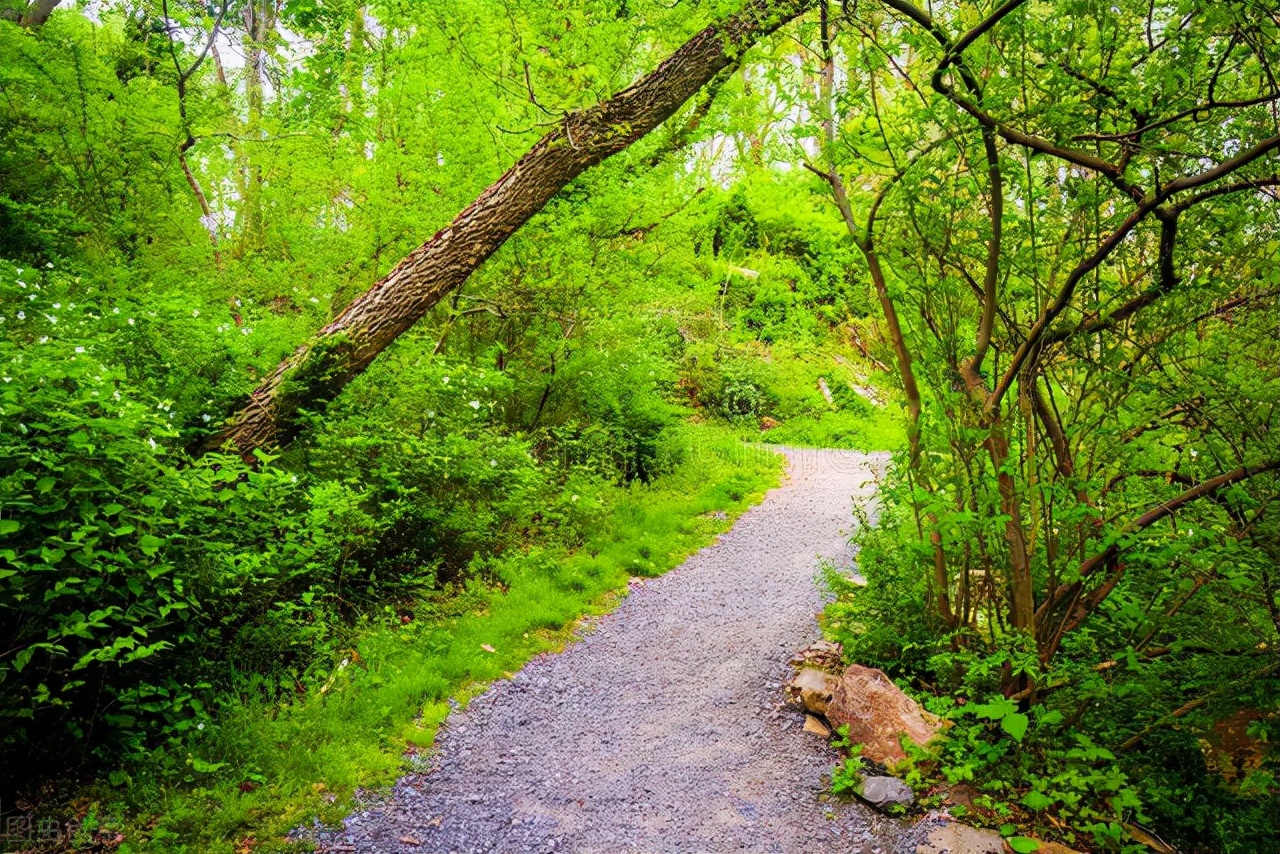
(664, 728)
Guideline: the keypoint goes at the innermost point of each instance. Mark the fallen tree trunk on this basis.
(315, 373)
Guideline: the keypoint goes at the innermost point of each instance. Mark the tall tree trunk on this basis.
(864, 239)
(1022, 596)
(259, 29)
(318, 370)
(38, 12)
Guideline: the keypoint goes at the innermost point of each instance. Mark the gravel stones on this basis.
(663, 730)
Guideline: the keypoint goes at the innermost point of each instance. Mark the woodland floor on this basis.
(664, 728)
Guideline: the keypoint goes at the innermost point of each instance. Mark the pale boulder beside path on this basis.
(665, 729)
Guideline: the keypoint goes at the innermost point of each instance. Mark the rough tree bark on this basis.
(318, 370)
(38, 12)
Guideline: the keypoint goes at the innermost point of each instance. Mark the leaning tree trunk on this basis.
(318, 370)
(37, 13)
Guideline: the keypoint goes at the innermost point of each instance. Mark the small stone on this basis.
(814, 725)
(410, 840)
(884, 792)
(812, 689)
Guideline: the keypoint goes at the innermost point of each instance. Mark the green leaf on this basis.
(1023, 844)
(8, 526)
(24, 655)
(111, 509)
(150, 544)
(203, 767)
(45, 484)
(1037, 800)
(1050, 718)
(1015, 724)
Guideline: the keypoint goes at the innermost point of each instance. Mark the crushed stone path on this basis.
(664, 728)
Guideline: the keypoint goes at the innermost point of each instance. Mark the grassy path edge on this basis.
(266, 769)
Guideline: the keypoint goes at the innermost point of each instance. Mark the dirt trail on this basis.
(664, 728)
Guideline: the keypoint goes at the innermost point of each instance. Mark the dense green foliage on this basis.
(1071, 206)
(1030, 246)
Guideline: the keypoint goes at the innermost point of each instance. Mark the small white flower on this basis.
(57, 305)
(431, 413)
(195, 312)
(246, 330)
(31, 296)
(444, 380)
(199, 726)
(313, 301)
(51, 318)
(237, 303)
(44, 339)
(49, 264)
(21, 284)
(115, 395)
(475, 404)
(152, 443)
(22, 315)
(573, 498)
(293, 478)
(1193, 453)
(79, 349)
(131, 321)
(20, 271)
(206, 418)
(115, 310)
(7, 379)
(493, 464)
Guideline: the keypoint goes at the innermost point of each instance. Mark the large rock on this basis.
(961, 839)
(885, 792)
(812, 688)
(878, 714)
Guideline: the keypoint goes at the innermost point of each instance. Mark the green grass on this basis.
(878, 431)
(848, 420)
(265, 768)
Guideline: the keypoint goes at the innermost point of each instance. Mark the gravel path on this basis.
(664, 727)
